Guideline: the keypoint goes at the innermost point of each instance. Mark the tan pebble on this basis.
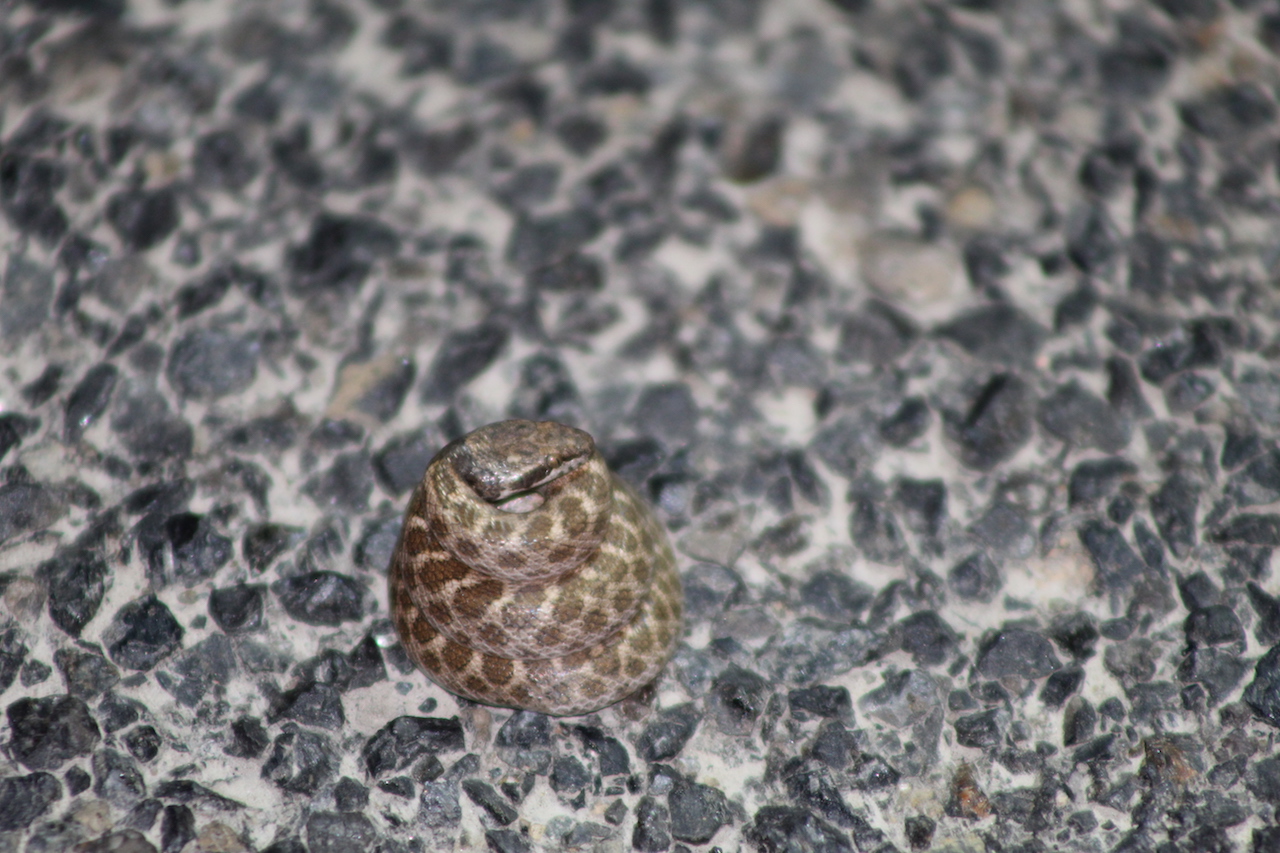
(216, 838)
(971, 207)
(779, 202)
(24, 598)
(94, 816)
(912, 272)
(355, 381)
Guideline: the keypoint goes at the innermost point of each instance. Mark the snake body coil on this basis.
(528, 575)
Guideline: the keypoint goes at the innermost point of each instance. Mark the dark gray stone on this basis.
(263, 543)
(238, 609)
(927, 638)
(315, 705)
(405, 739)
(198, 549)
(1117, 564)
(738, 698)
(177, 827)
(463, 355)
(143, 742)
(435, 152)
(1259, 482)
(568, 775)
(147, 428)
(221, 160)
(869, 772)
(924, 505)
(425, 48)
(663, 738)
(1218, 670)
(116, 778)
(525, 730)
(402, 460)
(76, 583)
(248, 738)
(1173, 508)
(490, 801)
(206, 364)
(1082, 419)
(1004, 529)
(511, 841)
(996, 425)
(1079, 720)
(339, 254)
(668, 413)
(301, 762)
(1093, 241)
(142, 634)
(1017, 652)
(321, 598)
(1187, 391)
(709, 589)
(983, 730)
(836, 596)
(1060, 686)
(1230, 112)
(86, 674)
(697, 811)
(613, 756)
(28, 507)
(25, 298)
(581, 133)
(998, 332)
(1124, 391)
(782, 829)
(1214, 625)
(344, 486)
(1249, 529)
(27, 193)
(877, 334)
(142, 219)
(346, 832)
(652, 832)
(751, 150)
(13, 654)
(1263, 693)
(1076, 634)
(1133, 660)
(821, 700)
(438, 804)
(538, 241)
(875, 531)
(907, 423)
(1097, 478)
(975, 578)
(1267, 628)
(25, 798)
(88, 401)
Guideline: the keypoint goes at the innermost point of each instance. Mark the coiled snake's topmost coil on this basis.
(529, 575)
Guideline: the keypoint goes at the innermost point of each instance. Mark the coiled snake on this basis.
(529, 575)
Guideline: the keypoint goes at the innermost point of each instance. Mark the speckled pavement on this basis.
(942, 334)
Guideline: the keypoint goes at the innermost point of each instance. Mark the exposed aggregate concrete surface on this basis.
(944, 336)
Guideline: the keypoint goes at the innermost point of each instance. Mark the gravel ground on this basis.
(943, 335)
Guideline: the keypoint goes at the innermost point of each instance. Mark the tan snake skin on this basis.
(530, 576)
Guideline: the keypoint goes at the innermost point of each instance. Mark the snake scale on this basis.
(528, 575)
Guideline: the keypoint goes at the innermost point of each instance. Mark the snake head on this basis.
(510, 457)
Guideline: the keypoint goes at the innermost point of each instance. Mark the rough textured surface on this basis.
(942, 336)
